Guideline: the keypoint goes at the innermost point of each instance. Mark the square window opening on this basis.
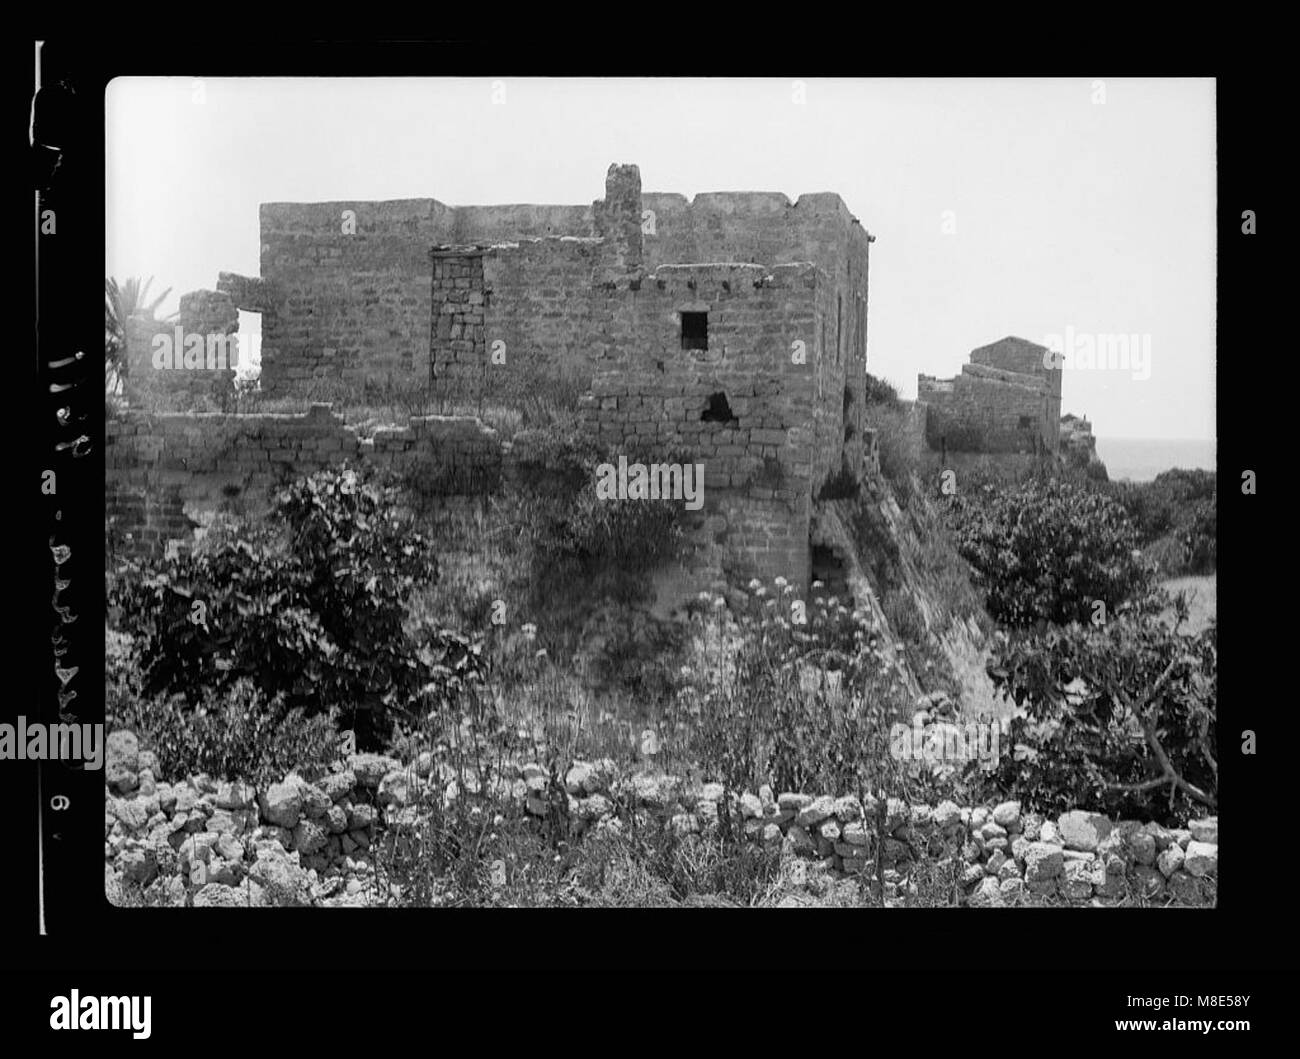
(695, 330)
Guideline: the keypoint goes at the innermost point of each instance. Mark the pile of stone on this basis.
(1004, 853)
(206, 842)
(228, 844)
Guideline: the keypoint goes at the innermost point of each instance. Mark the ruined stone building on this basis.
(730, 329)
(1006, 400)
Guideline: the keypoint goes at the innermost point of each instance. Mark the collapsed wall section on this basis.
(194, 353)
(502, 224)
(167, 474)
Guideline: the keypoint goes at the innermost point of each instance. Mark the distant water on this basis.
(1141, 459)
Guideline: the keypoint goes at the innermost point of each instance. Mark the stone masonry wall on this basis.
(165, 472)
(349, 298)
(299, 843)
(1005, 400)
(981, 411)
(350, 306)
(530, 300)
(766, 228)
(647, 390)
(529, 321)
(345, 287)
(457, 333)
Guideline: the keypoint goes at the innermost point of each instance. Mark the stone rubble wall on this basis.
(294, 842)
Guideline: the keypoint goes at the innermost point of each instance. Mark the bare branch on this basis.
(1149, 723)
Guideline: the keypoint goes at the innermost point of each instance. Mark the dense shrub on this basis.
(879, 392)
(628, 533)
(234, 733)
(310, 605)
(632, 651)
(1096, 471)
(1200, 542)
(1118, 716)
(1176, 519)
(1158, 506)
(599, 547)
(1048, 550)
(560, 457)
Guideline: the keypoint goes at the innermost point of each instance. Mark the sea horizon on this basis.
(1142, 459)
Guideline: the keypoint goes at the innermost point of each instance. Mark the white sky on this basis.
(1068, 213)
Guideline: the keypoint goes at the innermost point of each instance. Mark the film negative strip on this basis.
(63, 737)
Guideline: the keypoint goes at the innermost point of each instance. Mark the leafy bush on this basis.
(1158, 506)
(1047, 550)
(121, 302)
(1117, 715)
(640, 533)
(1176, 519)
(234, 733)
(310, 606)
(605, 544)
(632, 650)
(589, 567)
(1096, 471)
(1200, 542)
(879, 392)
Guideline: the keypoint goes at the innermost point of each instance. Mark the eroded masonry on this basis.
(728, 330)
